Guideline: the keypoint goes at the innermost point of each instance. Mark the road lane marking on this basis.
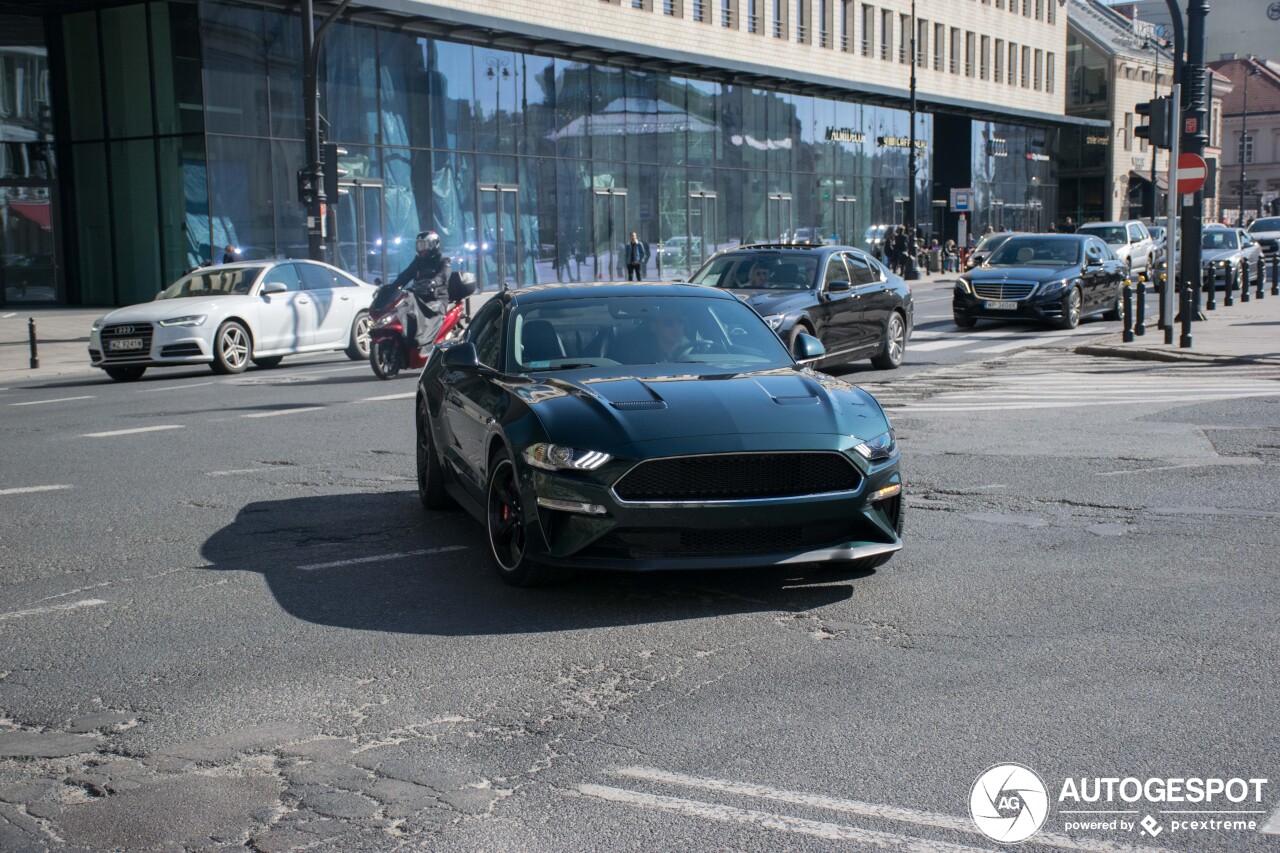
(1215, 462)
(405, 396)
(133, 431)
(235, 471)
(861, 809)
(10, 314)
(175, 387)
(59, 400)
(283, 412)
(767, 820)
(378, 558)
(25, 490)
(52, 608)
(1061, 404)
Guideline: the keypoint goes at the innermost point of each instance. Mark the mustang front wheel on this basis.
(505, 524)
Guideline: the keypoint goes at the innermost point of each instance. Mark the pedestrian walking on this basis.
(1069, 226)
(636, 255)
(901, 249)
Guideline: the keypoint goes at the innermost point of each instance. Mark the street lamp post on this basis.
(910, 271)
(1155, 152)
(1244, 133)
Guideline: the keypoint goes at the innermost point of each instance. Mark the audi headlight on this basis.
(775, 320)
(98, 324)
(878, 449)
(962, 285)
(555, 457)
(188, 320)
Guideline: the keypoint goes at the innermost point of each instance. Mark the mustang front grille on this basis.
(737, 476)
(1006, 290)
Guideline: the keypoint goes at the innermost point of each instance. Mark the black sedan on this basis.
(840, 295)
(1056, 278)
(643, 427)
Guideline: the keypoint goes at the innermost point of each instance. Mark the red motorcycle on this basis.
(394, 311)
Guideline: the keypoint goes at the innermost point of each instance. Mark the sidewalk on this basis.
(62, 338)
(1242, 334)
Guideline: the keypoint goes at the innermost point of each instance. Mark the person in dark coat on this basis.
(636, 255)
(900, 249)
(429, 272)
(230, 255)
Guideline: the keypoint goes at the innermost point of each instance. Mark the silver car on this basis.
(1266, 232)
(1228, 250)
(231, 315)
(1129, 239)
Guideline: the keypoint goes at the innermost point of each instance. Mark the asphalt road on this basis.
(225, 622)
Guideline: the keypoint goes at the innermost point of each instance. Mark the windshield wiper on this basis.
(573, 366)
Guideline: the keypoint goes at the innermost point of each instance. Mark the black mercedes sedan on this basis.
(840, 295)
(642, 427)
(1056, 278)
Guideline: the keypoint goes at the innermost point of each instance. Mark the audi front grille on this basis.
(125, 331)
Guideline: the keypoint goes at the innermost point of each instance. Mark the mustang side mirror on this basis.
(807, 347)
(839, 286)
(462, 356)
(274, 287)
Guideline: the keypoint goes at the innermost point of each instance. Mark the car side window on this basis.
(286, 274)
(836, 271)
(860, 270)
(316, 277)
(1245, 239)
(1093, 250)
(486, 334)
(1135, 232)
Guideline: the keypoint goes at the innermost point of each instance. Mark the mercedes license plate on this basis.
(124, 344)
(1002, 306)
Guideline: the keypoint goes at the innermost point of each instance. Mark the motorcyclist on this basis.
(429, 272)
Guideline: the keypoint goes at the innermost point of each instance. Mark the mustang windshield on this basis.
(760, 271)
(215, 281)
(1032, 251)
(570, 334)
(1218, 240)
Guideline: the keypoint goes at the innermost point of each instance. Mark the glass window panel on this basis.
(175, 57)
(350, 93)
(537, 82)
(608, 93)
(404, 81)
(496, 100)
(127, 79)
(453, 206)
(572, 105)
(84, 74)
(184, 206)
(93, 255)
(283, 39)
(135, 220)
(235, 69)
(290, 216)
(241, 203)
(643, 116)
(451, 86)
(710, 115)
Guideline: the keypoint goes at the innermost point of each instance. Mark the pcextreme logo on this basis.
(1009, 803)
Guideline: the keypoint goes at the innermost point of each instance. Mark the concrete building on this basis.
(1258, 83)
(533, 136)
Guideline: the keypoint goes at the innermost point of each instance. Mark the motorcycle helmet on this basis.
(428, 241)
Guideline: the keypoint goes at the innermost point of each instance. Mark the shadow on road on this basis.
(295, 543)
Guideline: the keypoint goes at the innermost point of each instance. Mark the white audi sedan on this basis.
(230, 315)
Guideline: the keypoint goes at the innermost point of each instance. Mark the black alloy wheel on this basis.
(1070, 310)
(505, 527)
(385, 358)
(430, 472)
(895, 344)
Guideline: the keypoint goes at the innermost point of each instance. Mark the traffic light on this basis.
(1158, 112)
(305, 191)
(329, 162)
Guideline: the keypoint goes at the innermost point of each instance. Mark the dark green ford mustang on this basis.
(642, 427)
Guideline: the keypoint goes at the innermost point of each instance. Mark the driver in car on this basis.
(667, 328)
(759, 277)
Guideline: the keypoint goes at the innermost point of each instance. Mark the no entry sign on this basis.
(1192, 171)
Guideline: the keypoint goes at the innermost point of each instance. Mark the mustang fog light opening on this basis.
(886, 492)
(572, 506)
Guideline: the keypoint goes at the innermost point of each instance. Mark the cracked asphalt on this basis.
(244, 633)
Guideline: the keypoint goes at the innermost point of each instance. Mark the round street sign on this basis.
(1192, 171)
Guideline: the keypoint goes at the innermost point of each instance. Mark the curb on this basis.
(1138, 353)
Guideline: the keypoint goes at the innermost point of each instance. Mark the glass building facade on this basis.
(181, 127)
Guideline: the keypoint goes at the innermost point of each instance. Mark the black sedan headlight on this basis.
(1053, 287)
(556, 457)
(962, 286)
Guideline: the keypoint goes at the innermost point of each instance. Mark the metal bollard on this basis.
(1230, 298)
(1140, 322)
(1244, 281)
(1211, 285)
(31, 339)
(1275, 274)
(1188, 311)
(1261, 274)
(1126, 311)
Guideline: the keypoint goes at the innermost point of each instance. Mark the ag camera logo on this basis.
(1009, 803)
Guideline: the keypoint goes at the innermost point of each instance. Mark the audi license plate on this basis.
(124, 344)
(1002, 306)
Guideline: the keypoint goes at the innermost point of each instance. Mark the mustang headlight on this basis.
(878, 449)
(189, 320)
(962, 285)
(98, 324)
(775, 320)
(554, 457)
